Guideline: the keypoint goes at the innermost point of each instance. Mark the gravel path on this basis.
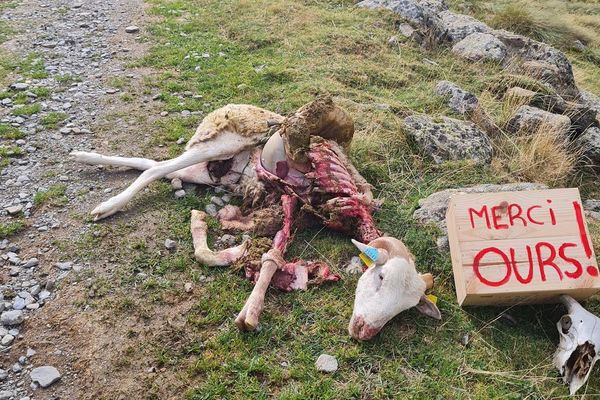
(83, 46)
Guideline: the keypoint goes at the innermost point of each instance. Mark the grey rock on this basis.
(326, 363)
(590, 100)
(16, 368)
(6, 394)
(449, 139)
(589, 143)
(3, 374)
(18, 303)
(211, 209)
(170, 244)
(44, 376)
(529, 119)
(12, 210)
(180, 193)
(7, 340)
(459, 100)
(480, 47)
(432, 209)
(132, 29)
(19, 86)
(226, 241)
(32, 262)
(64, 266)
(455, 27)
(14, 317)
(393, 41)
(406, 30)
(416, 11)
(217, 200)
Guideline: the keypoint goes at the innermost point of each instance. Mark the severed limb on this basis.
(205, 255)
(247, 319)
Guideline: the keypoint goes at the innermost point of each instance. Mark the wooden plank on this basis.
(526, 246)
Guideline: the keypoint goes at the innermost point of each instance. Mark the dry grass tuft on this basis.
(544, 156)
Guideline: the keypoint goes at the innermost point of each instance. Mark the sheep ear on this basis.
(427, 307)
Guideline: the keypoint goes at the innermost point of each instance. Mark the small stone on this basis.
(132, 29)
(14, 317)
(465, 340)
(19, 86)
(326, 363)
(16, 368)
(12, 210)
(32, 262)
(65, 131)
(406, 30)
(3, 374)
(30, 353)
(44, 376)
(64, 266)
(181, 140)
(217, 200)
(211, 210)
(393, 41)
(7, 340)
(6, 395)
(189, 286)
(180, 193)
(227, 241)
(176, 184)
(170, 244)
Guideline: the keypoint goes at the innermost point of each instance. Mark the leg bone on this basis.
(247, 319)
(205, 255)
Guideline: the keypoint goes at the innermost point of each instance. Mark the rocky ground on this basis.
(83, 47)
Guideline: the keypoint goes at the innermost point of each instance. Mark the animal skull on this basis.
(389, 287)
(577, 351)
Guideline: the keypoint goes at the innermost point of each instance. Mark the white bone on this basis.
(578, 349)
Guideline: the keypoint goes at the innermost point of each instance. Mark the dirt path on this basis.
(84, 48)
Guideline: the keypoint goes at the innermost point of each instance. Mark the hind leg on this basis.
(197, 173)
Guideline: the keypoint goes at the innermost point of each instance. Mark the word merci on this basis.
(520, 247)
(540, 256)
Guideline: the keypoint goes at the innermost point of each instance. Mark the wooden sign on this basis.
(520, 247)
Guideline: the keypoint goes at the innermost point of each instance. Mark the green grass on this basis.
(10, 151)
(276, 55)
(53, 119)
(27, 109)
(8, 229)
(55, 195)
(10, 132)
(67, 78)
(41, 92)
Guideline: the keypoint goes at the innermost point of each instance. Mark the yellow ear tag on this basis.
(368, 262)
(432, 298)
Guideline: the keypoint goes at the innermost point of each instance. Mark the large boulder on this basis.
(459, 100)
(589, 143)
(455, 27)
(432, 209)
(529, 119)
(541, 61)
(449, 139)
(581, 116)
(415, 11)
(480, 47)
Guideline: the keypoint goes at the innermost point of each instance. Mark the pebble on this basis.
(217, 200)
(170, 244)
(181, 140)
(189, 286)
(180, 193)
(176, 184)
(3, 374)
(14, 317)
(132, 29)
(64, 266)
(7, 340)
(12, 210)
(19, 86)
(326, 363)
(6, 395)
(32, 262)
(44, 376)
(211, 210)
